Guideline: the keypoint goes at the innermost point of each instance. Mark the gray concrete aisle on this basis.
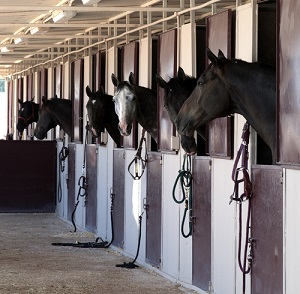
(30, 264)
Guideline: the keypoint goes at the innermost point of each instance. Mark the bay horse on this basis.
(101, 113)
(28, 113)
(230, 86)
(177, 90)
(54, 112)
(135, 103)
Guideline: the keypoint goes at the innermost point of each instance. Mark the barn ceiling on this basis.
(23, 47)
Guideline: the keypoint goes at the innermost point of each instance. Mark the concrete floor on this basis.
(30, 264)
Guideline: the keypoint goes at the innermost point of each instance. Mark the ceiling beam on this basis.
(69, 25)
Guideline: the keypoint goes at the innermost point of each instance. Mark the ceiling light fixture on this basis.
(6, 49)
(63, 16)
(90, 2)
(37, 30)
(18, 40)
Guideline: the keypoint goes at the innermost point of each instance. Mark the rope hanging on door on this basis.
(246, 195)
(185, 177)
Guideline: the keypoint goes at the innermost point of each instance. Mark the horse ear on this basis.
(160, 81)
(88, 91)
(132, 79)
(221, 55)
(44, 99)
(101, 90)
(32, 99)
(212, 57)
(20, 101)
(181, 74)
(114, 80)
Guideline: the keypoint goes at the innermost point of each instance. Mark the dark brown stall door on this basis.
(118, 190)
(153, 224)
(71, 180)
(219, 37)
(267, 229)
(201, 268)
(129, 60)
(91, 193)
(288, 84)
(27, 176)
(167, 68)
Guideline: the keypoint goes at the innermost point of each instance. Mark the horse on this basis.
(177, 90)
(133, 102)
(54, 112)
(28, 113)
(101, 113)
(230, 86)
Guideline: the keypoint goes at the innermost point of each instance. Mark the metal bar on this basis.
(53, 36)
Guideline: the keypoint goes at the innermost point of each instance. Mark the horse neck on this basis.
(253, 93)
(111, 121)
(62, 115)
(147, 110)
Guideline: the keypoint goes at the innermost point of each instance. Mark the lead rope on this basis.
(138, 157)
(185, 177)
(246, 195)
(82, 183)
(62, 156)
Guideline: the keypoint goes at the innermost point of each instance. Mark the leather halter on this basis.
(27, 119)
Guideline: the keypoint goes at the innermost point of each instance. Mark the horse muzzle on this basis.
(125, 130)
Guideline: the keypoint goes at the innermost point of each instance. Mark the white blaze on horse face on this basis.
(125, 106)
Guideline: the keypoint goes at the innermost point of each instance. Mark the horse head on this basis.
(28, 113)
(97, 110)
(45, 121)
(125, 103)
(209, 100)
(176, 91)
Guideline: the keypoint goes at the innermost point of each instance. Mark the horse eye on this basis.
(200, 82)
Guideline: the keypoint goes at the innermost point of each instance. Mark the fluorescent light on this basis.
(6, 49)
(18, 40)
(90, 2)
(64, 16)
(37, 30)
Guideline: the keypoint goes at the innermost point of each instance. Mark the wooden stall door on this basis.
(267, 230)
(118, 190)
(167, 68)
(91, 194)
(10, 120)
(28, 176)
(219, 37)
(130, 61)
(288, 84)
(201, 267)
(71, 180)
(154, 198)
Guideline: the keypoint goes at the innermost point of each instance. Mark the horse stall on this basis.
(195, 243)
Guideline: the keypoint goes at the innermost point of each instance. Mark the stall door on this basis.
(91, 196)
(118, 191)
(71, 180)
(219, 37)
(201, 267)
(153, 200)
(267, 230)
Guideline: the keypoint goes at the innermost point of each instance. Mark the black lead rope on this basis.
(98, 243)
(185, 177)
(132, 264)
(62, 156)
(137, 158)
(246, 195)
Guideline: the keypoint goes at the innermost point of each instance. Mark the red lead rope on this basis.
(246, 195)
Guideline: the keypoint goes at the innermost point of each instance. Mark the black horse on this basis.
(28, 113)
(101, 113)
(133, 102)
(177, 90)
(54, 112)
(233, 86)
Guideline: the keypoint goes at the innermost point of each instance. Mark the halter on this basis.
(138, 157)
(246, 195)
(27, 119)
